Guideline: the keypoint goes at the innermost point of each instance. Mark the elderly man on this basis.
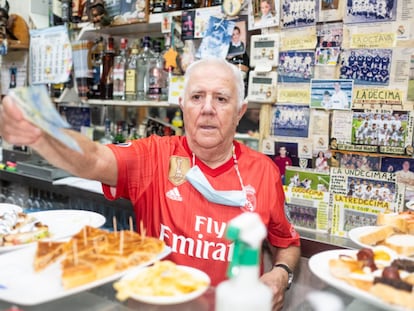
(178, 185)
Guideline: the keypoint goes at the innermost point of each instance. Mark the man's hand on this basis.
(277, 280)
(14, 128)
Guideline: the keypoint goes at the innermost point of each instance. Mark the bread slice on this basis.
(48, 252)
(403, 244)
(377, 235)
(402, 222)
(76, 274)
(393, 295)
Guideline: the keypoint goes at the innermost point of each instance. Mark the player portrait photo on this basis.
(366, 66)
(237, 44)
(263, 13)
(331, 94)
(298, 13)
(369, 11)
(296, 66)
(290, 120)
(379, 129)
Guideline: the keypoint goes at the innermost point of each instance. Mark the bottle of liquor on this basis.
(108, 138)
(178, 123)
(119, 136)
(66, 11)
(172, 5)
(144, 60)
(188, 4)
(96, 58)
(134, 134)
(156, 74)
(107, 83)
(131, 76)
(216, 2)
(158, 6)
(119, 71)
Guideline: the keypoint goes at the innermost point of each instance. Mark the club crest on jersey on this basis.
(179, 166)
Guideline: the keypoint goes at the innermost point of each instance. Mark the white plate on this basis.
(355, 233)
(170, 300)
(7, 207)
(20, 284)
(62, 224)
(319, 265)
(410, 205)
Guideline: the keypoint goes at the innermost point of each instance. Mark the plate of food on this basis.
(50, 270)
(19, 229)
(394, 230)
(164, 283)
(374, 275)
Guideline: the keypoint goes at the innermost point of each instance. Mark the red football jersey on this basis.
(151, 173)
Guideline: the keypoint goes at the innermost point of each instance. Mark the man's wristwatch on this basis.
(289, 272)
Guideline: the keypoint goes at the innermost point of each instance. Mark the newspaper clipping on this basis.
(357, 197)
(307, 198)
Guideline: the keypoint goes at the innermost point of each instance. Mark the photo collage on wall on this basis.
(344, 80)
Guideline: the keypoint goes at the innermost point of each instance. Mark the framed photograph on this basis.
(132, 11)
(380, 129)
(296, 66)
(238, 41)
(290, 120)
(331, 94)
(362, 162)
(216, 40)
(263, 13)
(298, 13)
(370, 11)
(366, 66)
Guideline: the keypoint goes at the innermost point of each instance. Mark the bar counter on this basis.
(72, 193)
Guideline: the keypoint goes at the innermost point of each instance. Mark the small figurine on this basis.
(13, 27)
(97, 13)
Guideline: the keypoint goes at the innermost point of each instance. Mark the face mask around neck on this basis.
(197, 179)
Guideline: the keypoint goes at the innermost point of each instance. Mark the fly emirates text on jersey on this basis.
(199, 247)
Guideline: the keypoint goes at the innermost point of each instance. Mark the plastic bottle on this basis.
(244, 291)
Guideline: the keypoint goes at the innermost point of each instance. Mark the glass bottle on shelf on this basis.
(107, 83)
(144, 59)
(158, 6)
(178, 123)
(173, 5)
(134, 134)
(119, 71)
(108, 138)
(156, 75)
(188, 4)
(119, 136)
(96, 59)
(131, 76)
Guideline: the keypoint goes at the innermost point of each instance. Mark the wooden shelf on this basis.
(125, 103)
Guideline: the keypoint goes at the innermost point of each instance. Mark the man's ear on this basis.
(242, 110)
(180, 102)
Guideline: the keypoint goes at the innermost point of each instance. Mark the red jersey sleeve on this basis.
(281, 232)
(136, 168)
